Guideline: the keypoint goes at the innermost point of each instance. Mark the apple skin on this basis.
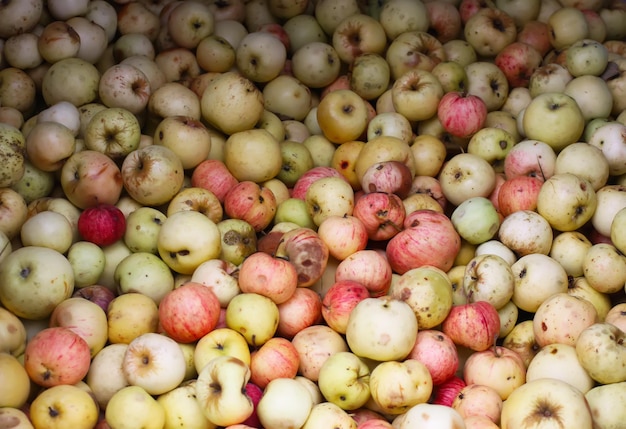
(103, 224)
(474, 325)
(428, 238)
(438, 352)
(498, 367)
(277, 358)
(57, 356)
(462, 115)
(189, 312)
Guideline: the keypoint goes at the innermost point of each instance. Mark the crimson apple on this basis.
(264, 274)
(255, 393)
(251, 202)
(518, 193)
(518, 61)
(103, 224)
(369, 267)
(212, 174)
(339, 301)
(301, 310)
(276, 358)
(446, 392)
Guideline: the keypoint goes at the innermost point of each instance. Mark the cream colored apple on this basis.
(154, 362)
(262, 160)
(568, 161)
(329, 196)
(466, 175)
(543, 277)
(429, 416)
(136, 403)
(526, 232)
(47, 229)
(342, 115)
(567, 25)
(559, 361)
(569, 249)
(232, 103)
(604, 268)
(187, 137)
(416, 94)
(257, 327)
(600, 399)
(567, 201)
(179, 245)
(219, 391)
(105, 376)
(285, 403)
(218, 275)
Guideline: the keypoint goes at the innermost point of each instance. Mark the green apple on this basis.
(297, 160)
(567, 201)
(142, 229)
(344, 380)
(145, 273)
(476, 220)
(238, 240)
(33, 280)
(12, 145)
(492, 144)
(294, 210)
(34, 183)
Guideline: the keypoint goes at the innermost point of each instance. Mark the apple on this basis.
(302, 310)
(546, 401)
(567, 25)
(196, 199)
(315, 344)
(260, 56)
(382, 214)
(518, 61)
(55, 356)
(142, 229)
(343, 235)
(474, 325)
(25, 271)
(610, 138)
(257, 328)
(181, 406)
(90, 177)
(130, 315)
(397, 342)
(288, 98)
(489, 30)
(339, 301)
(277, 358)
(566, 162)
(559, 361)
(238, 240)
(438, 353)
(220, 342)
(103, 224)
(537, 277)
(58, 40)
(174, 98)
(487, 81)
(575, 197)
(416, 94)
(344, 380)
(39, 230)
(329, 196)
(260, 146)
(136, 402)
(285, 403)
(428, 416)
(342, 116)
(329, 413)
(461, 115)
(570, 248)
(385, 389)
(414, 50)
(561, 318)
(552, 77)
(232, 103)
(428, 238)
(259, 267)
(178, 243)
(105, 375)
(526, 232)
(395, 17)
(152, 175)
(154, 362)
(14, 337)
(14, 372)
(64, 406)
(603, 261)
(478, 400)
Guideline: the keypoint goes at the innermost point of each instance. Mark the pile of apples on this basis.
(313, 214)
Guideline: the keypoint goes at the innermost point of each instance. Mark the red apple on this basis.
(428, 238)
(275, 278)
(304, 181)
(251, 202)
(437, 351)
(393, 177)
(98, 294)
(474, 325)
(56, 356)
(212, 174)
(446, 392)
(343, 235)
(369, 267)
(255, 393)
(461, 114)
(302, 310)
(189, 312)
(537, 35)
(339, 301)
(382, 214)
(276, 358)
(518, 193)
(103, 224)
(518, 61)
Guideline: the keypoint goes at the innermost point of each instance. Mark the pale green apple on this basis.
(12, 144)
(397, 386)
(238, 240)
(492, 144)
(142, 229)
(33, 280)
(296, 160)
(145, 273)
(34, 183)
(113, 255)
(567, 201)
(344, 380)
(476, 220)
(294, 210)
(87, 260)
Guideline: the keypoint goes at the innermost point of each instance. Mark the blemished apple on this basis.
(474, 325)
